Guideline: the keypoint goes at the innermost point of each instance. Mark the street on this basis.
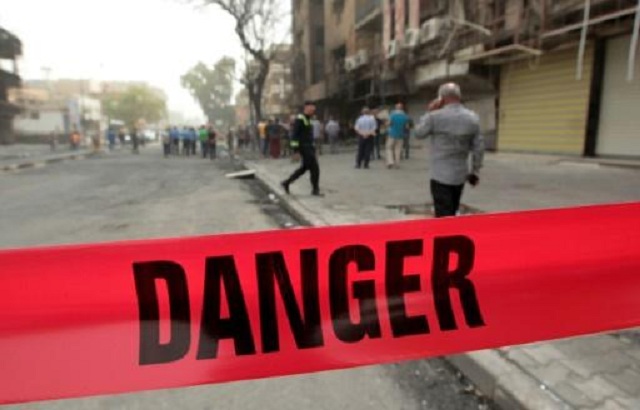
(121, 196)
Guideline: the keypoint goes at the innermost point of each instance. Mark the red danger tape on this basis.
(109, 318)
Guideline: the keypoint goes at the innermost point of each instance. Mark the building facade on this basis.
(545, 76)
(10, 50)
(278, 88)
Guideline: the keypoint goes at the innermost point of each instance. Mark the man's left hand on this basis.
(473, 179)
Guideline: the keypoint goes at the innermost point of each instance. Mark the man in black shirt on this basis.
(302, 143)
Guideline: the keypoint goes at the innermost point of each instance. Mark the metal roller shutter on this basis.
(619, 130)
(543, 108)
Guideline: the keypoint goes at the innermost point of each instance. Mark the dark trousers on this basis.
(212, 150)
(166, 147)
(375, 151)
(204, 148)
(446, 198)
(364, 151)
(309, 163)
(406, 146)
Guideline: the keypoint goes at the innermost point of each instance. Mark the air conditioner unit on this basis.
(411, 38)
(430, 30)
(362, 57)
(350, 63)
(392, 50)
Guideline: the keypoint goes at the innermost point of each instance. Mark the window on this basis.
(319, 36)
(34, 115)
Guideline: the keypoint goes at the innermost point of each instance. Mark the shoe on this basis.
(285, 186)
(357, 166)
(317, 193)
(366, 167)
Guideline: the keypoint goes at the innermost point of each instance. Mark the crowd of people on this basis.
(186, 141)
(456, 145)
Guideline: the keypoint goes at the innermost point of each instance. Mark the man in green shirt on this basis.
(203, 135)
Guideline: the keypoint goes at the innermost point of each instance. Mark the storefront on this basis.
(619, 121)
(543, 107)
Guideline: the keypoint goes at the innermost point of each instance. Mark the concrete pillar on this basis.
(386, 26)
(400, 20)
(414, 14)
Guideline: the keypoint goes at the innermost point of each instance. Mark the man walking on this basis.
(366, 127)
(302, 143)
(455, 134)
(398, 124)
(333, 132)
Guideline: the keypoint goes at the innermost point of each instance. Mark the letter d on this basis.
(151, 350)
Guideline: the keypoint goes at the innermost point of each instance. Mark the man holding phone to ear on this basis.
(455, 136)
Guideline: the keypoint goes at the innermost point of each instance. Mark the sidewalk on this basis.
(597, 372)
(21, 156)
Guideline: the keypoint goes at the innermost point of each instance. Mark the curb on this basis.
(496, 377)
(44, 162)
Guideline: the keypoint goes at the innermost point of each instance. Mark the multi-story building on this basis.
(10, 50)
(242, 108)
(545, 76)
(59, 106)
(278, 87)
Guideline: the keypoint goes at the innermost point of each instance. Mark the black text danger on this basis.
(304, 314)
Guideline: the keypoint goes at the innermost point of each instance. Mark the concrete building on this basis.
(278, 88)
(44, 111)
(545, 76)
(242, 108)
(10, 50)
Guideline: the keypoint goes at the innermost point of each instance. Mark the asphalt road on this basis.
(121, 196)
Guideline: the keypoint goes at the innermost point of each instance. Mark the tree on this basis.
(212, 87)
(255, 27)
(137, 103)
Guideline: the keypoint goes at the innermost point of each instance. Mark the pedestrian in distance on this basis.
(111, 138)
(406, 140)
(302, 144)
(454, 133)
(231, 143)
(212, 136)
(398, 124)
(203, 136)
(75, 139)
(332, 130)
(317, 134)
(366, 128)
(166, 141)
(184, 137)
(262, 135)
(377, 138)
(174, 135)
(135, 141)
(53, 140)
(193, 140)
(269, 133)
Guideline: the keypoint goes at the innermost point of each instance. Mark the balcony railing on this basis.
(364, 8)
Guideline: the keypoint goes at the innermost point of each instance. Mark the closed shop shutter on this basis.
(619, 130)
(543, 108)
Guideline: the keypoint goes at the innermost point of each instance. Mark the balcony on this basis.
(368, 14)
(10, 45)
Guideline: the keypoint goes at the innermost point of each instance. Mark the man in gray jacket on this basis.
(455, 136)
